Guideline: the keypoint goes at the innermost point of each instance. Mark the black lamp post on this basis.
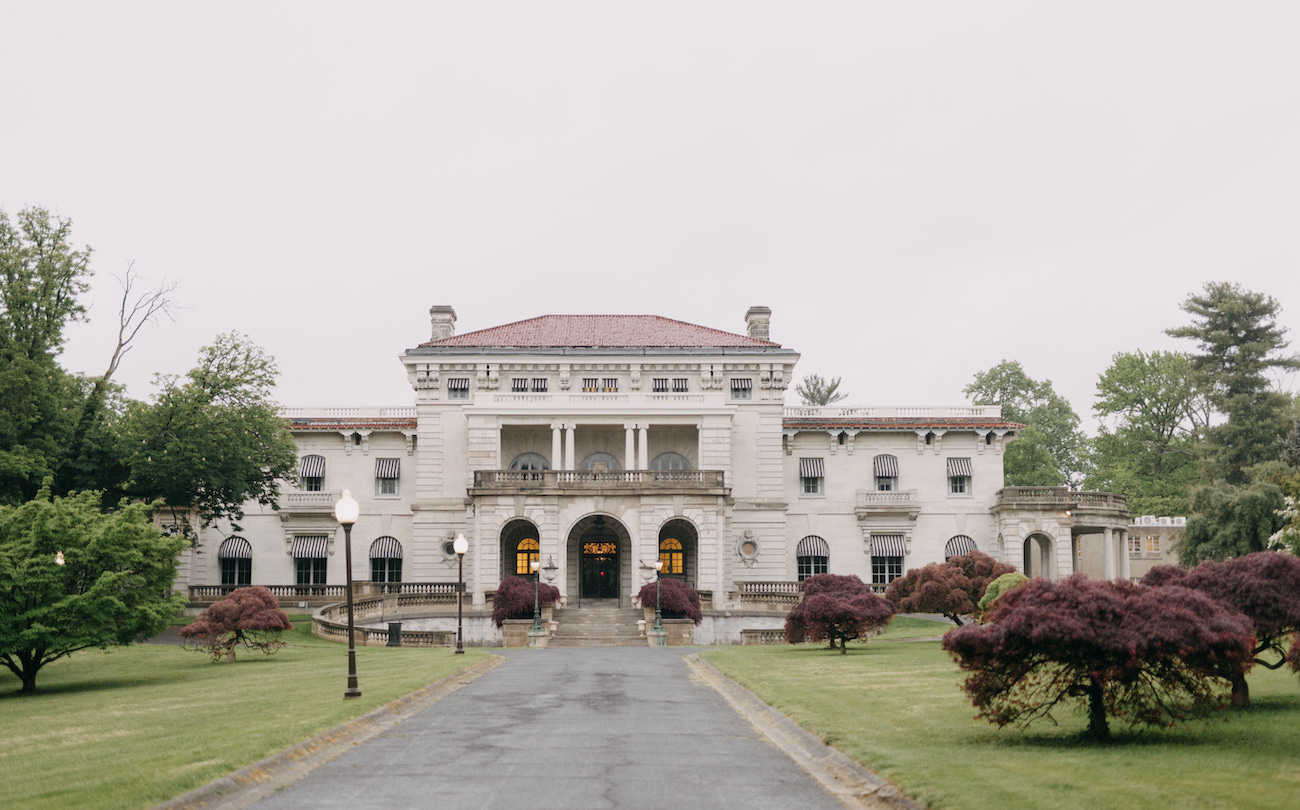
(659, 613)
(537, 610)
(346, 512)
(461, 546)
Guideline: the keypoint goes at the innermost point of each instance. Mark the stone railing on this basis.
(285, 593)
(348, 413)
(373, 637)
(597, 399)
(1063, 496)
(873, 502)
(309, 501)
(762, 636)
(940, 412)
(592, 479)
(768, 595)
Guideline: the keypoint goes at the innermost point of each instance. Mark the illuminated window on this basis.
(1153, 544)
(671, 555)
(526, 553)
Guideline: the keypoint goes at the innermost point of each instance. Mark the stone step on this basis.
(602, 625)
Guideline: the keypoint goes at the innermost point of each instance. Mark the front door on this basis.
(599, 570)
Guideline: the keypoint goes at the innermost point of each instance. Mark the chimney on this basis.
(443, 319)
(756, 320)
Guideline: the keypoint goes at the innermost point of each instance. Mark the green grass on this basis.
(896, 708)
(142, 724)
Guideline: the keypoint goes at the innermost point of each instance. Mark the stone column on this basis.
(629, 447)
(1108, 553)
(569, 447)
(645, 446)
(1124, 556)
(557, 461)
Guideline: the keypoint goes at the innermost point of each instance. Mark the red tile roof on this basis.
(602, 331)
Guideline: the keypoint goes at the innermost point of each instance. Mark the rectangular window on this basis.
(1153, 544)
(311, 470)
(385, 569)
(681, 385)
(458, 388)
(959, 476)
(884, 484)
(590, 385)
(310, 571)
(1135, 546)
(742, 388)
(811, 566)
(539, 385)
(609, 385)
(885, 570)
(518, 385)
(660, 385)
(236, 572)
(387, 473)
(812, 476)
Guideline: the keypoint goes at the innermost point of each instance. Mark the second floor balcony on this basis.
(629, 481)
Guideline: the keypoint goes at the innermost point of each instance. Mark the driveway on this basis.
(570, 729)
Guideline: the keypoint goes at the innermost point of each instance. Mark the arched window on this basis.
(386, 560)
(600, 462)
(670, 461)
(958, 546)
(236, 558)
(813, 554)
(526, 553)
(672, 556)
(530, 461)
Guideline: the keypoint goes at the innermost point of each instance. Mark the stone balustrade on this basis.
(561, 480)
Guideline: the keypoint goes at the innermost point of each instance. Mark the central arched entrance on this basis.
(599, 556)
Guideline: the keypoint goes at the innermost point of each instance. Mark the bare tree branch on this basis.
(136, 312)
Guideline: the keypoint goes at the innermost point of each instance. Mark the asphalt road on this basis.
(571, 729)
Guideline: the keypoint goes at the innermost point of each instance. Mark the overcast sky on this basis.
(918, 190)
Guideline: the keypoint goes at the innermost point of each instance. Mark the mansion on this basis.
(596, 445)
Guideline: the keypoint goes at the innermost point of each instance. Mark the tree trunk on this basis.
(955, 619)
(1240, 691)
(1097, 712)
(844, 645)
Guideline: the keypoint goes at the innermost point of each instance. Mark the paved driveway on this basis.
(571, 729)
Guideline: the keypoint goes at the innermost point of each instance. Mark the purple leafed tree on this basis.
(1265, 586)
(836, 607)
(953, 588)
(679, 599)
(1153, 656)
(514, 599)
(248, 617)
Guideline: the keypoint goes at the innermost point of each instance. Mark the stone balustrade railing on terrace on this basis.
(1064, 496)
(768, 595)
(348, 413)
(890, 412)
(593, 479)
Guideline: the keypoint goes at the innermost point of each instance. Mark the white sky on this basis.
(918, 190)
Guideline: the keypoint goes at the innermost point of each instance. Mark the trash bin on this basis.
(394, 634)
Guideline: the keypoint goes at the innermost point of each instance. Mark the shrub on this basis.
(952, 588)
(514, 599)
(248, 617)
(1154, 656)
(836, 607)
(998, 587)
(679, 599)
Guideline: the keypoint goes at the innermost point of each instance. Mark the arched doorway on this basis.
(520, 547)
(678, 541)
(1038, 556)
(599, 557)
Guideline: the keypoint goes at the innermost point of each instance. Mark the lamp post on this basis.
(537, 610)
(461, 546)
(659, 613)
(346, 512)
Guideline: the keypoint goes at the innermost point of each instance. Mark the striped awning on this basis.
(888, 545)
(388, 467)
(312, 467)
(812, 468)
(959, 546)
(742, 384)
(458, 384)
(309, 546)
(886, 466)
(386, 548)
(959, 468)
(813, 546)
(235, 548)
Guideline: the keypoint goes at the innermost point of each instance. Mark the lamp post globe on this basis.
(346, 512)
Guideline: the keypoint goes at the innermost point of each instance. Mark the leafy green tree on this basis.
(111, 591)
(1229, 521)
(1239, 343)
(816, 390)
(1049, 451)
(212, 441)
(41, 277)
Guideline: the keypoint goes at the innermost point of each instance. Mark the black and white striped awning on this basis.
(309, 546)
(886, 466)
(386, 548)
(388, 467)
(235, 548)
(959, 546)
(888, 545)
(312, 467)
(813, 546)
(959, 468)
(812, 468)
(742, 384)
(458, 384)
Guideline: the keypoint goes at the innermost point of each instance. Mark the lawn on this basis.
(142, 724)
(895, 706)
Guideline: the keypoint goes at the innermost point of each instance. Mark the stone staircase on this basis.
(597, 624)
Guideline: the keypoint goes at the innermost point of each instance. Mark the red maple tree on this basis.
(838, 608)
(953, 588)
(248, 617)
